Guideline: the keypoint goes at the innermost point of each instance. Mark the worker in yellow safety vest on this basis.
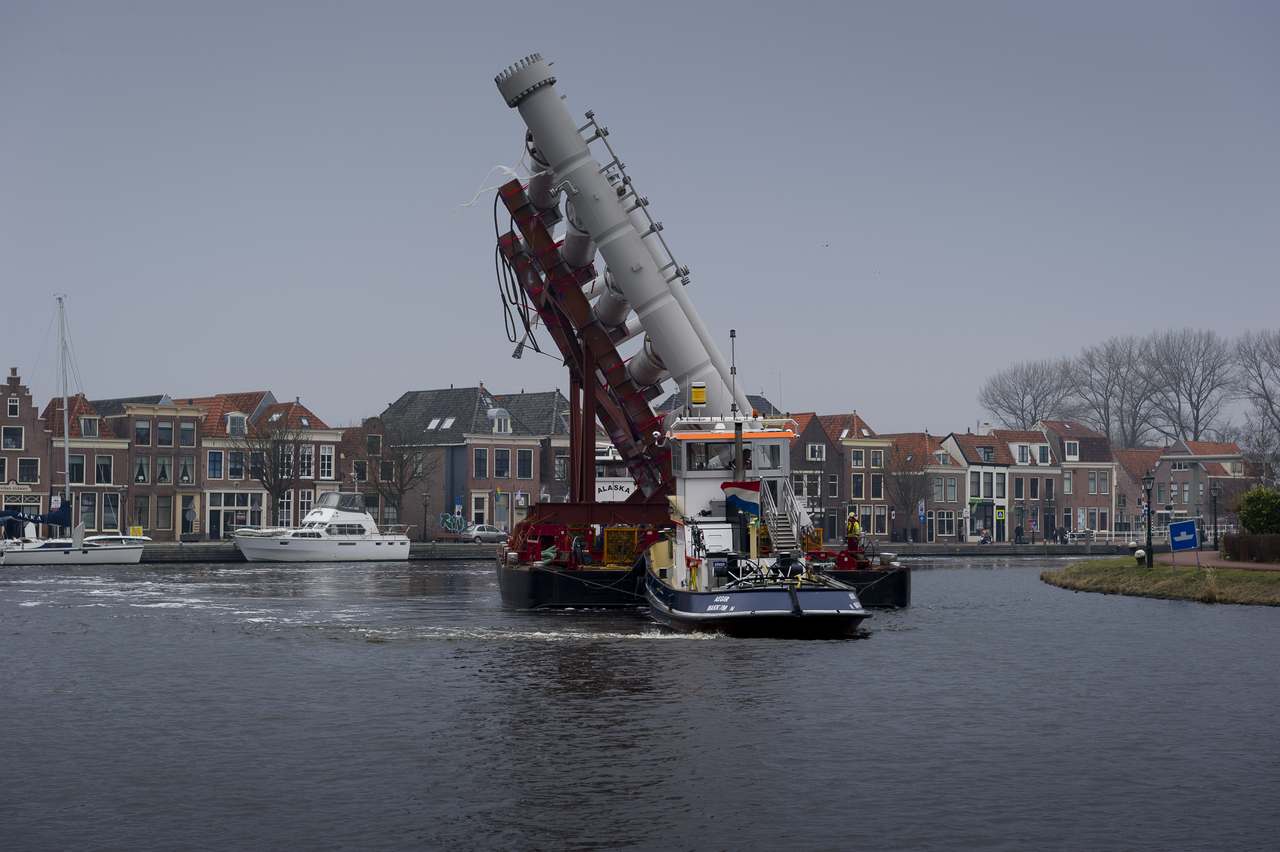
(853, 532)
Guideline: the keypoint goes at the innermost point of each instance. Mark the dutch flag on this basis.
(744, 496)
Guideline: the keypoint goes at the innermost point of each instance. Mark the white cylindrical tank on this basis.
(529, 87)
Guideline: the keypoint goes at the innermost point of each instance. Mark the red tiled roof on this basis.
(834, 424)
(1071, 428)
(77, 406)
(1136, 462)
(217, 407)
(919, 444)
(969, 445)
(1021, 436)
(290, 415)
(802, 422)
(1213, 448)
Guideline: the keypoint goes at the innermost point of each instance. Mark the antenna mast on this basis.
(66, 417)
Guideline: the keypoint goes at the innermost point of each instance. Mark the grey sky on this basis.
(888, 201)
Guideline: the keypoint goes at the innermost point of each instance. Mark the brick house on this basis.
(1185, 473)
(819, 476)
(498, 454)
(24, 453)
(99, 464)
(1088, 471)
(941, 486)
(865, 454)
(1035, 481)
(986, 460)
(232, 497)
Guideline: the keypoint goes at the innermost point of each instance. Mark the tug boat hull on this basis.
(548, 587)
(774, 611)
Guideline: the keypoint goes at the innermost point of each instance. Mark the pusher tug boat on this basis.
(337, 529)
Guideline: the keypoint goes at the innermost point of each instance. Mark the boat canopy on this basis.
(343, 502)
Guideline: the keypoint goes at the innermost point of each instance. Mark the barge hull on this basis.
(542, 587)
(878, 588)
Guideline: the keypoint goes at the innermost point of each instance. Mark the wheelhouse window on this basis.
(524, 464)
(13, 438)
(501, 463)
(28, 471)
(214, 465)
(164, 433)
(142, 470)
(709, 455)
(102, 470)
(75, 469)
(142, 433)
(186, 434)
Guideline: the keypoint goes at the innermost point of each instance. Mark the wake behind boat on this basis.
(337, 529)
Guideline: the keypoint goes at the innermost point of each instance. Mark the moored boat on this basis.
(337, 529)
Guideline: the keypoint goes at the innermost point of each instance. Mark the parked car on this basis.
(480, 533)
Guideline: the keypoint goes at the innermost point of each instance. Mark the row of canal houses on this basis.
(179, 467)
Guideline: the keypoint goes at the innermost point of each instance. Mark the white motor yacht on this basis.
(337, 529)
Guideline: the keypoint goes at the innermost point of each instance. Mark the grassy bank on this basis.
(1122, 576)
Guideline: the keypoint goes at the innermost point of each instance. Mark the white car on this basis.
(481, 533)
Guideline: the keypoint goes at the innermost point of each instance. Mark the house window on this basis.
(1066, 519)
(387, 471)
(102, 470)
(235, 427)
(1093, 482)
(877, 458)
(882, 515)
(1000, 484)
(856, 487)
(186, 470)
(877, 486)
(142, 433)
(975, 484)
(1104, 482)
(501, 464)
(817, 452)
(284, 509)
(1035, 488)
(479, 507)
(28, 471)
(326, 462)
(1103, 520)
(987, 454)
(1044, 453)
(164, 470)
(164, 433)
(480, 465)
(360, 470)
(938, 492)
(13, 406)
(286, 461)
(524, 464)
(856, 458)
(946, 523)
(1017, 487)
(215, 464)
(186, 434)
(306, 461)
(89, 510)
(373, 445)
(562, 467)
(142, 470)
(111, 511)
(13, 438)
(1024, 453)
(235, 464)
(75, 469)
(1186, 492)
(4, 469)
(1159, 492)
(164, 512)
(941, 457)
(1066, 482)
(502, 425)
(833, 485)
(305, 499)
(1048, 488)
(1073, 450)
(89, 427)
(1093, 519)
(142, 511)
(951, 489)
(988, 479)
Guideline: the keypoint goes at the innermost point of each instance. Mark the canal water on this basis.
(399, 706)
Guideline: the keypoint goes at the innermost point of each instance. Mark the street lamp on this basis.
(1215, 491)
(1148, 480)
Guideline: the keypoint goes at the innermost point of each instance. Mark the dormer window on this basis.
(89, 427)
(1024, 454)
(1073, 450)
(275, 417)
(941, 457)
(502, 425)
(236, 425)
(305, 421)
(1044, 453)
(987, 454)
(817, 452)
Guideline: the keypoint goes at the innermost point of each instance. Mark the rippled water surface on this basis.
(395, 706)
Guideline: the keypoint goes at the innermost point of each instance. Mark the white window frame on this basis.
(475, 458)
(195, 433)
(111, 469)
(306, 499)
(1024, 454)
(481, 498)
(1068, 483)
(22, 438)
(857, 458)
(4, 469)
(96, 429)
(435, 421)
(243, 466)
(1104, 482)
(833, 485)
(355, 466)
(502, 425)
(145, 461)
(816, 452)
(22, 481)
(877, 459)
(1071, 454)
(877, 478)
(306, 461)
(526, 452)
(448, 423)
(15, 406)
(173, 437)
(102, 511)
(857, 493)
(84, 470)
(284, 509)
(326, 461)
(138, 421)
(222, 464)
(1093, 482)
(237, 424)
(499, 452)
(1043, 453)
(81, 499)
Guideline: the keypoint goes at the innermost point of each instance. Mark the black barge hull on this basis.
(879, 588)
(548, 587)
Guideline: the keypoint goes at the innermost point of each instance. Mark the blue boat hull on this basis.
(773, 611)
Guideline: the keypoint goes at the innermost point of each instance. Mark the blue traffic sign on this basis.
(1182, 536)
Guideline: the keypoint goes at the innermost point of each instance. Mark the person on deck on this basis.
(853, 532)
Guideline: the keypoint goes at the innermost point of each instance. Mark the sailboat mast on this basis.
(66, 416)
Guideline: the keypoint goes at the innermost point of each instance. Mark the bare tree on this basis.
(1114, 383)
(1193, 373)
(272, 450)
(401, 468)
(905, 481)
(1258, 360)
(1025, 393)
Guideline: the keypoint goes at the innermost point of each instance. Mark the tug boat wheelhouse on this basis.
(733, 498)
(337, 529)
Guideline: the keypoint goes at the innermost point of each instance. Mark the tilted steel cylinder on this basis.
(529, 86)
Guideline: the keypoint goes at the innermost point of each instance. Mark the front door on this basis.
(215, 524)
(188, 514)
